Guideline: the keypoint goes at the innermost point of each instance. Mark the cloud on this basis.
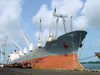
(44, 35)
(45, 14)
(10, 12)
(70, 7)
(85, 13)
(96, 45)
(80, 23)
(92, 12)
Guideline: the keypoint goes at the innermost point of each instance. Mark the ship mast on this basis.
(71, 29)
(40, 37)
(52, 22)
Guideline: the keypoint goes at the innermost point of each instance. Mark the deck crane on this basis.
(25, 51)
(57, 16)
(64, 21)
(63, 18)
(21, 50)
(17, 44)
(30, 44)
(50, 36)
(4, 49)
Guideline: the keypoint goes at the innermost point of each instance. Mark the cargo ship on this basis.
(97, 54)
(58, 52)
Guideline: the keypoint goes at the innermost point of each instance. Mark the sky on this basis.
(24, 15)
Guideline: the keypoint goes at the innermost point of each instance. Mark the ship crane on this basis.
(21, 50)
(53, 34)
(50, 36)
(30, 44)
(63, 18)
(17, 45)
(25, 51)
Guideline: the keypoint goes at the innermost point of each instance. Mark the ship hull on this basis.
(62, 50)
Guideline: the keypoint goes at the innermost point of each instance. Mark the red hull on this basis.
(66, 61)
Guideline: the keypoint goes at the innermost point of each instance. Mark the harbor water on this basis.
(91, 66)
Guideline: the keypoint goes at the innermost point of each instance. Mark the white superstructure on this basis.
(13, 56)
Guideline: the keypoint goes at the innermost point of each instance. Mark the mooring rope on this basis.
(87, 57)
(79, 45)
(73, 52)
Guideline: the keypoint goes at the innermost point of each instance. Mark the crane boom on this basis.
(17, 44)
(30, 44)
(63, 18)
(25, 37)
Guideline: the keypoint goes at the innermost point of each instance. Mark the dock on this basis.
(19, 71)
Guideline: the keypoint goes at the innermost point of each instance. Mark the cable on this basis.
(87, 57)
